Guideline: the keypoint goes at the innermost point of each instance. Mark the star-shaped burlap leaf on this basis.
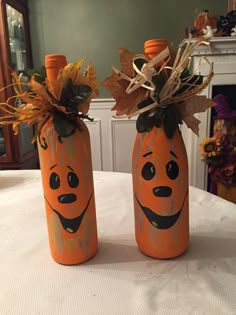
(126, 104)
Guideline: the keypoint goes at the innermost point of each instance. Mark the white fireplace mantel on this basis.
(221, 51)
(216, 46)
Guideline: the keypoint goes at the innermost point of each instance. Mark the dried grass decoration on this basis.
(166, 93)
(65, 99)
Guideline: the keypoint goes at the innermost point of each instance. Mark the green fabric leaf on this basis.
(74, 95)
(167, 118)
(170, 125)
(81, 93)
(159, 80)
(139, 62)
(66, 91)
(145, 103)
(144, 123)
(62, 125)
(171, 121)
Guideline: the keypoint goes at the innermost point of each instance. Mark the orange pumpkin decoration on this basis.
(153, 45)
(67, 178)
(160, 187)
(162, 91)
(202, 20)
(69, 194)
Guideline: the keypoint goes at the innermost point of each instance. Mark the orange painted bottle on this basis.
(160, 187)
(67, 178)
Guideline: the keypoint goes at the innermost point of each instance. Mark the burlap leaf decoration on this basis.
(187, 109)
(125, 103)
(155, 85)
(126, 60)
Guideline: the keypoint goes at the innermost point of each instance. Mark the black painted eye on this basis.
(148, 171)
(73, 180)
(172, 169)
(54, 181)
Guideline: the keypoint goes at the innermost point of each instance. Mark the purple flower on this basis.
(222, 107)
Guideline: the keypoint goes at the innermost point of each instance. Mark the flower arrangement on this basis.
(219, 151)
(160, 90)
(64, 99)
(220, 155)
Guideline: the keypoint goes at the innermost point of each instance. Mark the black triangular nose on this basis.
(162, 191)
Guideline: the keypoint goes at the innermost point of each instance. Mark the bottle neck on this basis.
(53, 63)
(154, 46)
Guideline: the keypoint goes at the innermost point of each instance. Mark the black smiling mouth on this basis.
(70, 225)
(160, 221)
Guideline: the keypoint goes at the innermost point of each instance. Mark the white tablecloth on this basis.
(120, 279)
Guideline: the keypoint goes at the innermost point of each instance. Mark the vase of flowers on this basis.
(159, 87)
(219, 151)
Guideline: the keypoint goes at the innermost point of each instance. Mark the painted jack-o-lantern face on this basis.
(69, 194)
(65, 200)
(160, 183)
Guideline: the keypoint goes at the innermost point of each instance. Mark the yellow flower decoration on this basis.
(209, 147)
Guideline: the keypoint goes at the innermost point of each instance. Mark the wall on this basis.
(95, 29)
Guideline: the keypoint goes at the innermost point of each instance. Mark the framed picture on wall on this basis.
(231, 5)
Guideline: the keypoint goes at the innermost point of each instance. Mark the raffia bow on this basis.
(64, 99)
(187, 102)
(144, 76)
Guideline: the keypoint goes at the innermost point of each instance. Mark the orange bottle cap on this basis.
(53, 64)
(154, 46)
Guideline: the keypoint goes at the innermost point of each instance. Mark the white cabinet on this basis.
(112, 139)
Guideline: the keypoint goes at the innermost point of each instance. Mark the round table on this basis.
(119, 279)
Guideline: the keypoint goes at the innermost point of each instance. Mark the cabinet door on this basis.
(2, 143)
(112, 139)
(18, 37)
(15, 54)
(5, 131)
